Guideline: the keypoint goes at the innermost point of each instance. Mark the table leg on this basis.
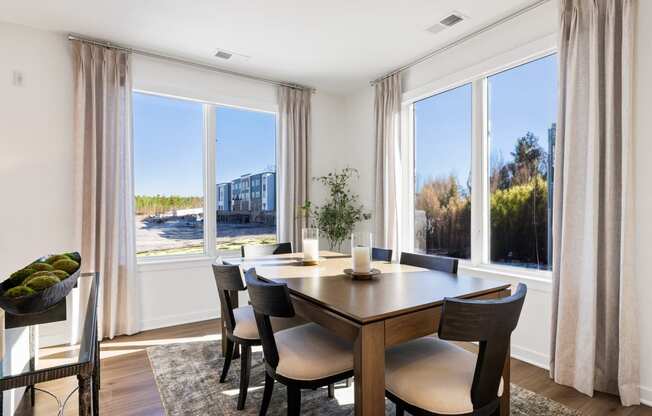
(84, 392)
(504, 400)
(369, 370)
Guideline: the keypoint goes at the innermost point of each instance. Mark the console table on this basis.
(83, 361)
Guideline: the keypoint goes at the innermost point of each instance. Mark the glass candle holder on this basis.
(310, 241)
(361, 244)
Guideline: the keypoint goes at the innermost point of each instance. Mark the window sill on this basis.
(173, 263)
(535, 279)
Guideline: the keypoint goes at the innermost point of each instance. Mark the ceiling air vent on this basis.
(223, 55)
(451, 20)
(448, 21)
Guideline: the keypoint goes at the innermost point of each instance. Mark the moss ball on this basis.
(74, 256)
(52, 259)
(17, 278)
(61, 274)
(18, 291)
(67, 265)
(41, 267)
(38, 274)
(42, 282)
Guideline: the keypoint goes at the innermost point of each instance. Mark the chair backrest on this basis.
(490, 323)
(427, 261)
(228, 279)
(268, 300)
(381, 254)
(265, 249)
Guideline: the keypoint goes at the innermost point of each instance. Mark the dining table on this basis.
(399, 304)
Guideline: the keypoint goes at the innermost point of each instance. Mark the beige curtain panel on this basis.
(595, 345)
(387, 115)
(293, 138)
(102, 79)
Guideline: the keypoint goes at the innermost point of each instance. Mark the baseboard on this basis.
(531, 357)
(646, 395)
(173, 320)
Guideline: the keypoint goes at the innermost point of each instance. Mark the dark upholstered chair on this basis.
(427, 261)
(240, 325)
(381, 254)
(430, 376)
(304, 357)
(258, 250)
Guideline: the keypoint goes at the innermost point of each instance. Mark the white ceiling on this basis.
(334, 45)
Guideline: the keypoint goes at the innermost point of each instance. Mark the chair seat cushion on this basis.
(245, 323)
(433, 375)
(311, 352)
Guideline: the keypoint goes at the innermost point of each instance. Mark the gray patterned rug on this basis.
(187, 376)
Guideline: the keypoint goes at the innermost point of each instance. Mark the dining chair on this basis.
(304, 357)
(427, 261)
(240, 325)
(381, 254)
(254, 250)
(431, 376)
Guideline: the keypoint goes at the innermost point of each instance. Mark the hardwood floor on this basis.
(129, 389)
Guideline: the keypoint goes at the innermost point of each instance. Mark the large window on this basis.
(245, 166)
(184, 151)
(522, 112)
(169, 175)
(442, 204)
(494, 136)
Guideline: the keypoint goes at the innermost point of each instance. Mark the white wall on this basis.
(36, 161)
(643, 144)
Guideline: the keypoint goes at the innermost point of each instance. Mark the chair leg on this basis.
(245, 370)
(228, 356)
(399, 410)
(294, 401)
(267, 394)
(331, 391)
(236, 350)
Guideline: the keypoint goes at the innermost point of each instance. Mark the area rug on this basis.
(187, 376)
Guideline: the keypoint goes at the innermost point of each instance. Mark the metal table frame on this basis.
(87, 368)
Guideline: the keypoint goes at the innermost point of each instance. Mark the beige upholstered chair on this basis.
(304, 357)
(430, 376)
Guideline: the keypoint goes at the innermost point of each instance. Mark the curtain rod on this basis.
(157, 55)
(463, 39)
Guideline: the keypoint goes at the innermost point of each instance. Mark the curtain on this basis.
(387, 115)
(293, 137)
(102, 78)
(595, 344)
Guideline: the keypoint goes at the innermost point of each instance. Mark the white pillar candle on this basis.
(361, 260)
(310, 250)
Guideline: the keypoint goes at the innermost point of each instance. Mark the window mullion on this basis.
(209, 181)
(479, 171)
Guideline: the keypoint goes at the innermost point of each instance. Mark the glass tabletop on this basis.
(21, 355)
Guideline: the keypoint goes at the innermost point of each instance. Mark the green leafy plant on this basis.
(337, 217)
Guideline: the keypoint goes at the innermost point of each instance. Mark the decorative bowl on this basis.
(40, 301)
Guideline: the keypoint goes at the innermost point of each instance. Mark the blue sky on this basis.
(168, 132)
(168, 144)
(521, 99)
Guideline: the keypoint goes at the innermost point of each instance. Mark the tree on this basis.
(529, 159)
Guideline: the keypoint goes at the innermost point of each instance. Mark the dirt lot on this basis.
(181, 236)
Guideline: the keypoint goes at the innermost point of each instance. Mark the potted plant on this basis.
(341, 211)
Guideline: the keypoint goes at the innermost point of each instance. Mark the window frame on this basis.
(477, 76)
(209, 179)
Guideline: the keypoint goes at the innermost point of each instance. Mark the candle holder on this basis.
(310, 241)
(361, 249)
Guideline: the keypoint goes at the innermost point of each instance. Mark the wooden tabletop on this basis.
(397, 290)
